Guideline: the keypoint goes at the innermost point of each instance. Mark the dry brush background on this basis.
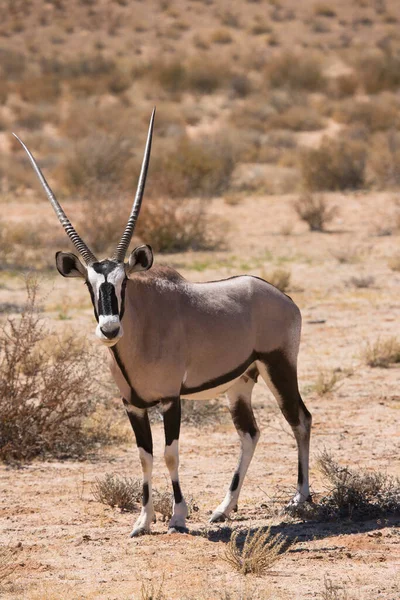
(276, 153)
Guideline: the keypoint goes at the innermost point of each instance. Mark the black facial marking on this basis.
(243, 417)
(108, 303)
(172, 421)
(146, 494)
(177, 492)
(141, 429)
(123, 287)
(213, 383)
(235, 482)
(105, 267)
(89, 286)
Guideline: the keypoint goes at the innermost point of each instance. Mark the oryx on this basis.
(169, 338)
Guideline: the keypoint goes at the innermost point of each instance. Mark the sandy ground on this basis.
(70, 546)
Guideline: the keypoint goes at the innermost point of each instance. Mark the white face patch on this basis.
(106, 280)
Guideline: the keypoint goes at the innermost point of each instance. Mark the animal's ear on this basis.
(69, 265)
(141, 259)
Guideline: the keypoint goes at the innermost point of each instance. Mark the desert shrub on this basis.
(296, 72)
(46, 387)
(259, 551)
(221, 36)
(394, 263)
(379, 72)
(173, 225)
(315, 211)
(361, 281)
(113, 490)
(384, 159)
(100, 159)
(103, 217)
(200, 167)
(12, 64)
(335, 165)
(204, 77)
(40, 88)
(323, 9)
(374, 115)
(382, 353)
(280, 278)
(344, 85)
(357, 495)
(297, 118)
(241, 86)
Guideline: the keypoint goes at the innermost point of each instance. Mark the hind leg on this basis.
(280, 374)
(239, 396)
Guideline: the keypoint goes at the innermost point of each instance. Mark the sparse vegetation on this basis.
(46, 388)
(327, 381)
(333, 591)
(113, 490)
(357, 495)
(362, 281)
(315, 211)
(382, 353)
(335, 165)
(280, 278)
(295, 72)
(256, 553)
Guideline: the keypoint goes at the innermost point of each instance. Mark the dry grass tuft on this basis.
(45, 388)
(7, 562)
(382, 353)
(113, 490)
(259, 551)
(333, 591)
(148, 591)
(314, 211)
(280, 278)
(335, 165)
(326, 382)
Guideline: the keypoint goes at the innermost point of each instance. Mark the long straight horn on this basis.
(123, 245)
(83, 250)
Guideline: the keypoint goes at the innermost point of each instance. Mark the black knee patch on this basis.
(235, 482)
(146, 494)
(300, 476)
(243, 417)
(177, 492)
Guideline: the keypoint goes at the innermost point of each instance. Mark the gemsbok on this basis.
(171, 339)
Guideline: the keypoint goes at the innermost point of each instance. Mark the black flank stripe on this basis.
(213, 383)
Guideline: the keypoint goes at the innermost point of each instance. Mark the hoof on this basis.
(178, 529)
(139, 531)
(218, 518)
